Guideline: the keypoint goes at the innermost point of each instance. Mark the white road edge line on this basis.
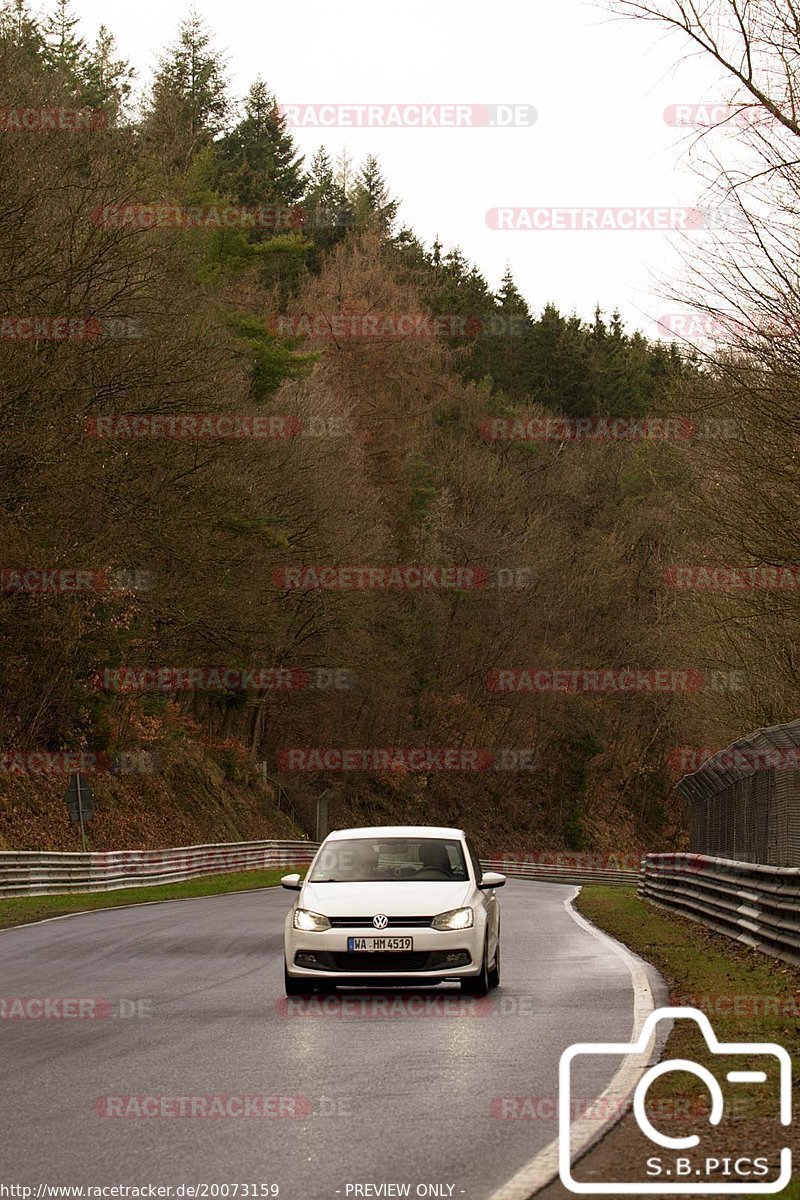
(543, 1169)
(86, 912)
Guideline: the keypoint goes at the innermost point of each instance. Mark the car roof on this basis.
(431, 831)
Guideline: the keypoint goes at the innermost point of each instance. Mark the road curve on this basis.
(413, 1098)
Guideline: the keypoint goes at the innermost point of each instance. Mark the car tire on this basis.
(478, 985)
(494, 971)
(296, 987)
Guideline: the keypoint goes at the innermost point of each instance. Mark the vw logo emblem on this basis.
(380, 922)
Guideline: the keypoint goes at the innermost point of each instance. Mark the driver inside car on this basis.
(434, 857)
(364, 862)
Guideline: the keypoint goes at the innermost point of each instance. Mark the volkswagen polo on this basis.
(393, 905)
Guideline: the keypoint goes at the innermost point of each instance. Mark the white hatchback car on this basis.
(397, 904)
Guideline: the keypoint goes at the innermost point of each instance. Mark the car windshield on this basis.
(373, 860)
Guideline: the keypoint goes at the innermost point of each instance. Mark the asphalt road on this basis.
(413, 1098)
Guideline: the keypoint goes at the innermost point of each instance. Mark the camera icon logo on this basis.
(687, 1176)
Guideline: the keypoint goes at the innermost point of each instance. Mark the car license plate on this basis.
(379, 943)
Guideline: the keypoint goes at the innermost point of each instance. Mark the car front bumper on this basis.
(437, 955)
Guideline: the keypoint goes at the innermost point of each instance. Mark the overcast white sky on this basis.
(600, 87)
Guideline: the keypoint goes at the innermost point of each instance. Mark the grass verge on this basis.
(19, 910)
(747, 996)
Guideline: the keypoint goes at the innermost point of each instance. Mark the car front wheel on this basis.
(478, 985)
(494, 971)
(296, 987)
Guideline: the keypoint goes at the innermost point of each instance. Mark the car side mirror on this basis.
(491, 879)
(292, 882)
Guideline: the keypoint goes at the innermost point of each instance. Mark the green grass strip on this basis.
(19, 910)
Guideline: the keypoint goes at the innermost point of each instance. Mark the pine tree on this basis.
(20, 28)
(509, 297)
(371, 200)
(328, 210)
(108, 79)
(458, 287)
(509, 354)
(515, 316)
(65, 50)
(344, 172)
(599, 328)
(189, 106)
(321, 179)
(258, 159)
(411, 250)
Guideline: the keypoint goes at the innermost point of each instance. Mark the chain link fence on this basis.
(744, 802)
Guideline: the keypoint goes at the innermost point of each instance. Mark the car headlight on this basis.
(311, 922)
(457, 918)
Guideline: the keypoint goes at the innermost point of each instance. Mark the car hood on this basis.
(423, 899)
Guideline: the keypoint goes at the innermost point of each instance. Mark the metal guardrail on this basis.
(51, 873)
(757, 905)
(566, 868)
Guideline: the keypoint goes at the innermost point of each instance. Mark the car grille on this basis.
(366, 922)
(364, 960)
(398, 962)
